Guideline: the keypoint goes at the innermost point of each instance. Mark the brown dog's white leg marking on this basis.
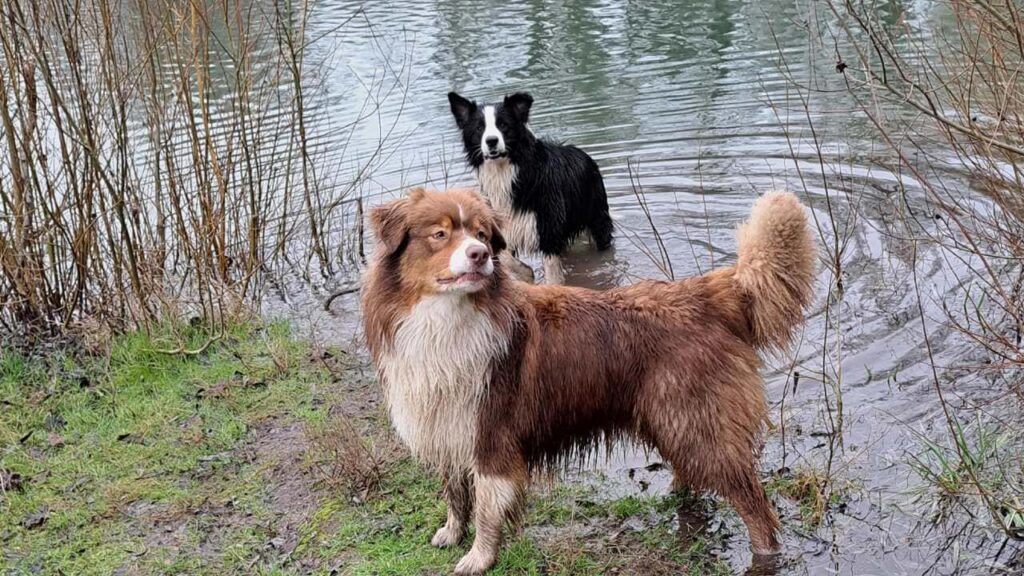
(458, 493)
(497, 499)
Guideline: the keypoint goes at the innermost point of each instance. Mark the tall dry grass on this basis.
(156, 161)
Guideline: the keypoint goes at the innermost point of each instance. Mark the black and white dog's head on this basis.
(493, 131)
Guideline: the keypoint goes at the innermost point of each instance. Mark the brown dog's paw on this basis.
(445, 537)
(474, 564)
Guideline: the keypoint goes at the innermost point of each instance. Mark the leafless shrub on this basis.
(157, 161)
(960, 85)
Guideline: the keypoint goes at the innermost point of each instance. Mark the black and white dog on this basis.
(547, 193)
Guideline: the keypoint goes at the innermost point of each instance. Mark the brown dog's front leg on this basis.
(498, 498)
(458, 493)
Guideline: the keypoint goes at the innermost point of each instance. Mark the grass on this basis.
(99, 440)
(979, 462)
(390, 535)
(143, 462)
(810, 489)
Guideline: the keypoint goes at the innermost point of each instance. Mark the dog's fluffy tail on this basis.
(776, 268)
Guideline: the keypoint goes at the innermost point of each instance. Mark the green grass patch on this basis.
(390, 535)
(979, 468)
(98, 440)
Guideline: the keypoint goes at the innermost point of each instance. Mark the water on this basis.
(697, 101)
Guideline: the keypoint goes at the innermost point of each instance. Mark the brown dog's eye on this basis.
(481, 236)
(440, 235)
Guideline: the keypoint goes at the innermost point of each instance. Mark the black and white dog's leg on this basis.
(553, 271)
(516, 267)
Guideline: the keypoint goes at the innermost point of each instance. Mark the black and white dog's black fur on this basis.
(547, 193)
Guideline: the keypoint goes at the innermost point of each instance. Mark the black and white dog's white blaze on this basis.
(547, 193)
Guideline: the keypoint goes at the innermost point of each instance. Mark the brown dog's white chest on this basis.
(434, 375)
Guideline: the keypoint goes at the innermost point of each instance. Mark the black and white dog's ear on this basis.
(462, 108)
(519, 103)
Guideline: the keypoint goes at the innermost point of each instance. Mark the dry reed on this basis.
(157, 161)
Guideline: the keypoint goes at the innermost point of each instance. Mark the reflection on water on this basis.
(697, 97)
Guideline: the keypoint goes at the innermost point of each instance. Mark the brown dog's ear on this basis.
(497, 240)
(462, 108)
(390, 225)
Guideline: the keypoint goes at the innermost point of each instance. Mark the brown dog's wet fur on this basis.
(671, 364)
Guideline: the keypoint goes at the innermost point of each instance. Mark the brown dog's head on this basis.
(438, 241)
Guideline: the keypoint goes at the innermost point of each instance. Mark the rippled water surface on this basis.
(697, 102)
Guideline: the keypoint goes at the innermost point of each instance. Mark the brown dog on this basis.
(487, 378)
